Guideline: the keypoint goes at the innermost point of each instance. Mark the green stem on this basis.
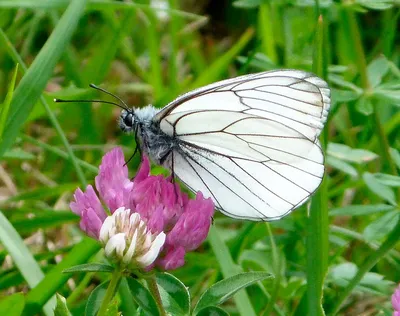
(266, 31)
(153, 288)
(318, 222)
(389, 243)
(77, 293)
(385, 147)
(276, 262)
(111, 290)
(362, 68)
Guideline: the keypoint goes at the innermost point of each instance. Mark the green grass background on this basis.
(337, 255)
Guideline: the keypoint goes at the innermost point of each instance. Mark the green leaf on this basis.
(389, 92)
(395, 155)
(376, 5)
(390, 96)
(174, 294)
(379, 228)
(223, 290)
(212, 311)
(90, 267)
(372, 283)
(359, 210)
(127, 306)
(339, 96)
(142, 297)
(229, 269)
(364, 105)
(342, 166)
(18, 153)
(388, 179)
(34, 81)
(12, 305)
(95, 298)
(347, 153)
(376, 70)
(379, 189)
(61, 307)
(6, 104)
(247, 4)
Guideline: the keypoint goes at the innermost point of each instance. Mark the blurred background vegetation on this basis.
(344, 255)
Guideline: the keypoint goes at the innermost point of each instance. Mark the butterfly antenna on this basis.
(126, 107)
(100, 101)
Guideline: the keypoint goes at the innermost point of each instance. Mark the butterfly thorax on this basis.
(153, 141)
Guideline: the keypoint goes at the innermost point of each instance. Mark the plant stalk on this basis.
(111, 290)
(153, 288)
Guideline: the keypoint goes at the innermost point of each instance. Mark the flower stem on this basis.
(368, 90)
(112, 288)
(152, 284)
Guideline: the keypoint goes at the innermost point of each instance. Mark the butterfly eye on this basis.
(128, 120)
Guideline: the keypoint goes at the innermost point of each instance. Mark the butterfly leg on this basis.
(171, 167)
(137, 148)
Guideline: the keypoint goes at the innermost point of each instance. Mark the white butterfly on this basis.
(250, 143)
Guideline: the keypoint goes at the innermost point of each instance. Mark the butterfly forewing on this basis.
(251, 143)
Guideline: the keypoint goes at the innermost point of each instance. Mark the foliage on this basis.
(339, 255)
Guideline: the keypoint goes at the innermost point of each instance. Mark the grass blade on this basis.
(229, 269)
(218, 67)
(54, 279)
(32, 84)
(22, 257)
(6, 105)
(14, 55)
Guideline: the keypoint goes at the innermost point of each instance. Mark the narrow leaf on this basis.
(6, 105)
(229, 269)
(347, 153)
(61, 307)
(90, 267)
(379, 228)
(223, 290)
(388, 179)
(95, 298)
(142, 297)
(22, 257)
(379, 189)
(358, 210)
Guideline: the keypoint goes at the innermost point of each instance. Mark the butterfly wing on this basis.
(251, 143)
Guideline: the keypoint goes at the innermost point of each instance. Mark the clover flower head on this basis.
(127, 239)
(144, 222)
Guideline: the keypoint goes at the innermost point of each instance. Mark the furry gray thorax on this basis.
(153, 141)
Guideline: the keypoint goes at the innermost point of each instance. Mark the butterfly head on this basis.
(127, 120)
